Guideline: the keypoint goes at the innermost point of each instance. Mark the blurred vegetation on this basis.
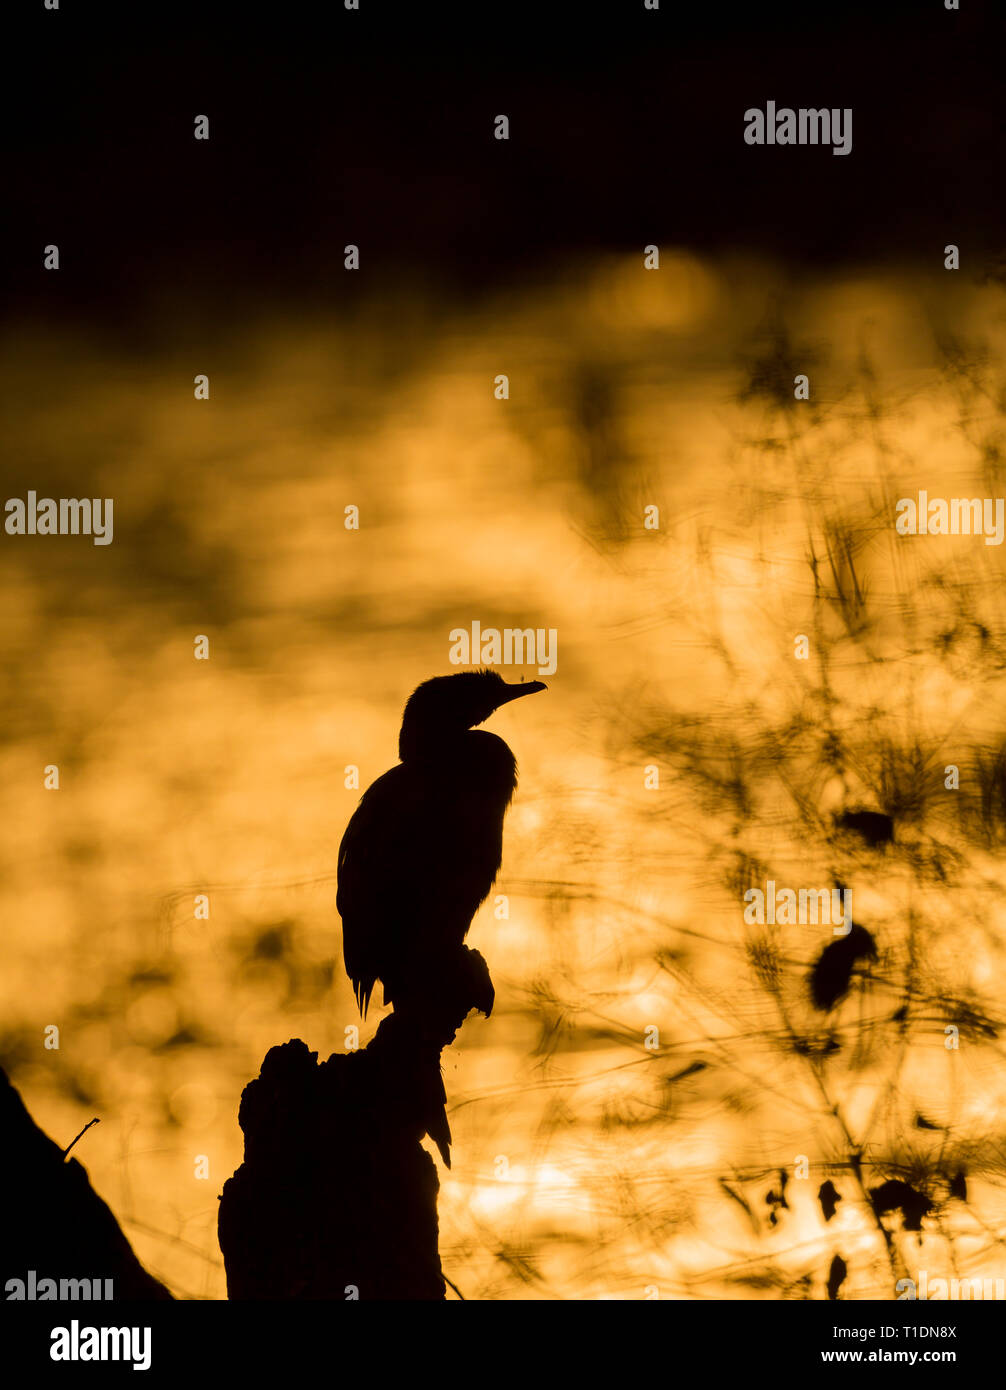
(587, 1164)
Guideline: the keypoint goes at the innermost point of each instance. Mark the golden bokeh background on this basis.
(585, 1164)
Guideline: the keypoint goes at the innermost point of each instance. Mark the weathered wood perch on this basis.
(54, 1224)
(336, 1197)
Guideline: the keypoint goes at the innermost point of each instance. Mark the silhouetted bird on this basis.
(425, 843)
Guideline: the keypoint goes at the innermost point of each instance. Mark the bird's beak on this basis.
(514, 692)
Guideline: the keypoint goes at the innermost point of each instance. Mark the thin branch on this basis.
(69, 1146)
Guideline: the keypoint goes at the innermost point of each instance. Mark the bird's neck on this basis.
(477, 752)
(423, 741)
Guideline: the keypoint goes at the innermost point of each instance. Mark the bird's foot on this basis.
(482, 992)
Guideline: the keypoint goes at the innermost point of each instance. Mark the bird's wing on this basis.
(417, 859)
(377, 876)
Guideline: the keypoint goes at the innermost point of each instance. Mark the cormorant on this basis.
(423, 847)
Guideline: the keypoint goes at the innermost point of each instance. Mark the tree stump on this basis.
(336, 1197)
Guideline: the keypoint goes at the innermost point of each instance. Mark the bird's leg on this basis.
(441, 993)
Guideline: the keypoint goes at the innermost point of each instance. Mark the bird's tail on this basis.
(437, 1127)
(362, 990)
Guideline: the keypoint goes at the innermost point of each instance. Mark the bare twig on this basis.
(69, 1146)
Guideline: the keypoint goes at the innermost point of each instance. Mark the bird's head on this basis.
(448, 705)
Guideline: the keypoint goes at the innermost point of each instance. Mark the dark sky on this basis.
(375, 127)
